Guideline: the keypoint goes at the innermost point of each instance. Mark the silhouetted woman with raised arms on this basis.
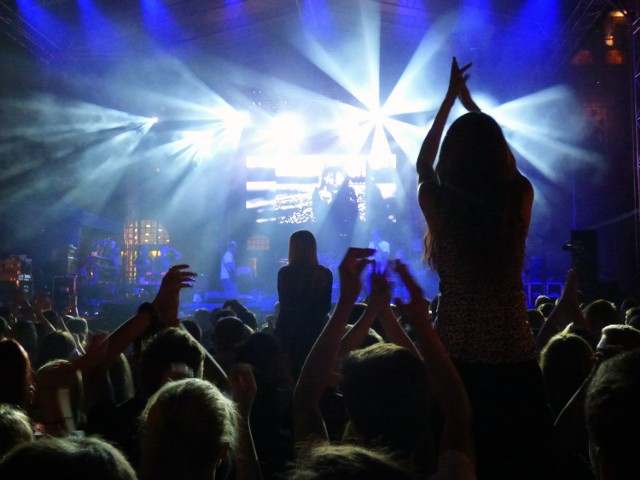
(478, 207)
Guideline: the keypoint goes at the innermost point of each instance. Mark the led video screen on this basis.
(305, 189)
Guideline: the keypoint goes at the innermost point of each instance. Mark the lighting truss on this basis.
(635, 46)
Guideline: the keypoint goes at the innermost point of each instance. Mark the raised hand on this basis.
(465, 97)
(416, 312)
(42, 302)
(167, 300)
(457, 79)
(95, 353)
(380, 294)
(570, 290)
(352, 265)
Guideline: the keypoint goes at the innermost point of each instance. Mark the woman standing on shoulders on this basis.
(478, 207)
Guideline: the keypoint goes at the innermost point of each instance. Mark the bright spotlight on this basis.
(153, 121)
(378, 117)
(200, 143)
(238, 120)
(286, 130)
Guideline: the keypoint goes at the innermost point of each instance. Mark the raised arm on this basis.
(566, 311)
(431, 143)
(35, 309)
(167, 303)
(447, 384)
(309, 427)
(162, 312)
(465, 96)
(378, 296)
(244, 390)
(379, 307)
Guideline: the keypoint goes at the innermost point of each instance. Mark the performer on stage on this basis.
(383, 250)
(228, 271)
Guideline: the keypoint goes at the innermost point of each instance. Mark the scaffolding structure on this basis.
(635, 50)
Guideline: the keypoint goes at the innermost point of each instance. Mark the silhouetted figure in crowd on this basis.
(613, 418)
(16, 377)
(304, 293)
(478, 207)
(69, 459)
(566, 362)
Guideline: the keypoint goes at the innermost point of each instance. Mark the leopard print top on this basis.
(483, 321)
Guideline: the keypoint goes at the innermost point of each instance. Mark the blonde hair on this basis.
(186, 427)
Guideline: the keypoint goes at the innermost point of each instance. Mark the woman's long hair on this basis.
(303, 249)
(475, 199)
(15, 374)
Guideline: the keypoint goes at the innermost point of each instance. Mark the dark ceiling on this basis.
(209, 22)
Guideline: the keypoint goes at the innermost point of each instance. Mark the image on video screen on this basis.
(304, 189)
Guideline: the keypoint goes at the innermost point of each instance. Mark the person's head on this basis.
(630, 313)
(52, 378)
(474, 150)
(618, 338)
(188, 426)
(15, 374)
(613, 417)
(565, 361)
(194, 329)
(634, 321)
(201, 317)
(264, 353)
(25, 333)
(70, 458)
(626, 305)
(78, 326)
(121, 379)
(542, 299)
(229, 333)
(583, 332)
(348, 462)
(387, 397)
(164, 357)
(546, 308)
(249, 319)
(15, 428)
(479, 218)
(232, 246)
(56, 345)
(218, 313)
(599, 314)
(535, 320)
(303, 249)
